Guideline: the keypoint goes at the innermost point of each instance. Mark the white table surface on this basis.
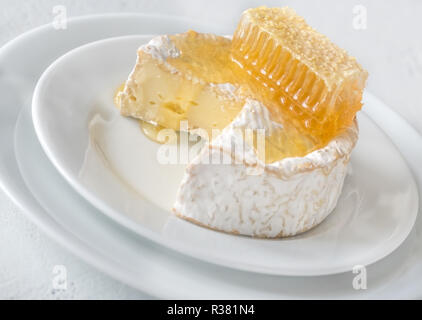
(390, 48)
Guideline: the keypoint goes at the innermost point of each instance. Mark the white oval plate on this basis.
(107, 160)
(90, 235)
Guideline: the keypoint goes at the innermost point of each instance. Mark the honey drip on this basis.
(151, 131)
(116, 95)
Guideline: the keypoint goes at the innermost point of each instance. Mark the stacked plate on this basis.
(90, 179)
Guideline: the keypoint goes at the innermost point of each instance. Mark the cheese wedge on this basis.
(182, 78)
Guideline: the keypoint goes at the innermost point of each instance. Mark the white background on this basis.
(390, 48)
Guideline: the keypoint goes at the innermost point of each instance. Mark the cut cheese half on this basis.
(278, 78)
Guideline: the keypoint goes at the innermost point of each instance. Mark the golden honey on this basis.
(209, 58)
(204, 56)
(298, 73)
(116, 95)
(310, 86)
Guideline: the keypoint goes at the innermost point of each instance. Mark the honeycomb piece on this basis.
(299, 73)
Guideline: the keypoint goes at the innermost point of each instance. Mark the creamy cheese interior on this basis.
(165, 90)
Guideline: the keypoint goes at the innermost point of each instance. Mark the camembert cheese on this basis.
(278, 80)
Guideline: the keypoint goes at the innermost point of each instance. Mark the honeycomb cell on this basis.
(299, 73)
